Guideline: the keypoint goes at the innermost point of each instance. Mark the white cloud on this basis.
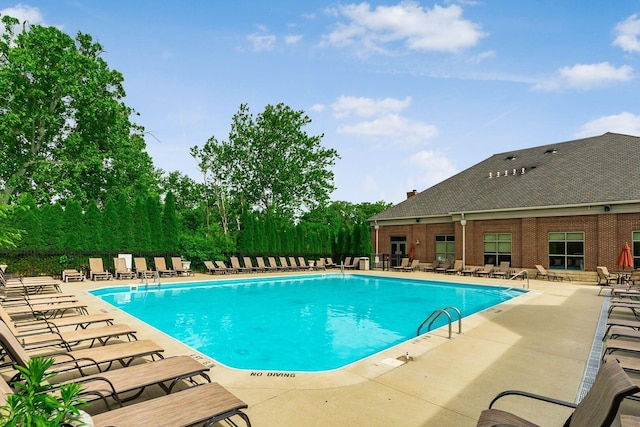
(440, 29)
(292, 39)
(626, 123)
(368, 107)
(24, 13)
(627, 33)
(430, 168)
(262, 40)
(318, 107)
(586, 76)
(399, 129)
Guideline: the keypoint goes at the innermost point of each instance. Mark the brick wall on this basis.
(604, 236)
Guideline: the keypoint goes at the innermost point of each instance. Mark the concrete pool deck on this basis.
(539, 342)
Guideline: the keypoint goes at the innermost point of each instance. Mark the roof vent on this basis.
(551, 151)
(510, 157)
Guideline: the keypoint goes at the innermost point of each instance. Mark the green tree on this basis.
(170, 223)
(154, 213)
(125, 223)
(29, 221)
(52, 237)
(72, 226)
(9, 234)
(110, 230)
(92, 235)
(269, 162)
(141, 229)
(65, 132)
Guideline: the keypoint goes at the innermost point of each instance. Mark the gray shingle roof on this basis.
(602, 169)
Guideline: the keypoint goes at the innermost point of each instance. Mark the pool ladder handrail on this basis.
(436, 315)
(155, 275)
(523, 273)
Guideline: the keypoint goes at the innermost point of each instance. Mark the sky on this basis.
(408, 92)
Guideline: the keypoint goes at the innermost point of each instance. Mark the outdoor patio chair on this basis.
(249, 264)
(120, 384)
(97, 270)
(549, 275)
(412, 267)
(207, 403)
(235, 263)
(403, 263)
(274, 265)
(456, 269)
(329, 263)
(321, 264)
(503, 270)
(353, 265)
(606, 280)
(284, 265)
(222, 265)
(72, 275)
(469, 270)
(179, 267)
(485, 271)
(161, 267)
(213, 269)
(443, 267)
(263, 266)
(431, 266)
(303, 264)
(598, 408)
(140, 264)
(293, 265)
(120, 269)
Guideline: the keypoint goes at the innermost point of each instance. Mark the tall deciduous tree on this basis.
(65, 132)
(269, 162)
(170, 223)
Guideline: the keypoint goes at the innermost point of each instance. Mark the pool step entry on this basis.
(436, 315)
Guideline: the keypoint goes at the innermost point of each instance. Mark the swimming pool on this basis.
(297, 323)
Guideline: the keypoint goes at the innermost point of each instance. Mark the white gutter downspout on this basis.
(377, 227)
(463, 223)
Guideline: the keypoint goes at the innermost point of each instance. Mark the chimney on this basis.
(411, 193)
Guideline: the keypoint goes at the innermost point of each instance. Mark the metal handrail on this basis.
(436, 315)
(524, 273)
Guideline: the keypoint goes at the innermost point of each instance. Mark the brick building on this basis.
(567, 206)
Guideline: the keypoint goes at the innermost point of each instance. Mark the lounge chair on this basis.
(544, 274)
(121, 384)
(207, 403)
(503, 270)
(293, 265)
(321, 264)
(403, 264)
(140, 264)
(249, 264)
(263, 266)
(97, 270)
(606, 279)
(221, 265)
(179, 267)
(72, 275)
(46, 310)
(347, 261)
(412, 267)
(431, 266)
(213, 269)
(597, 409)
(443, 267)
(235, 263)
(353, 265)
(485, 271)
(456, 269)
(284, 265)
(120, 269)
(32, 285)
(469, 270)
(303, 264)
(329, 263)
(161, 267)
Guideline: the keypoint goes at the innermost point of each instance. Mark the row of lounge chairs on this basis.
(121, 271)
(285, 264)
(113, 366)
(612, 384)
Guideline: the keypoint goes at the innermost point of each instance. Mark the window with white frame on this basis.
(566, 250)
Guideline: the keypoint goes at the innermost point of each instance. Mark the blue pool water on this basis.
(300, 323)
